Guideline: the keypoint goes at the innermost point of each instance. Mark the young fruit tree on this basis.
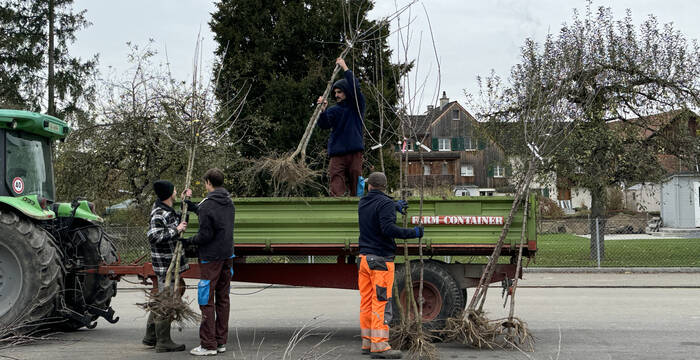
(199, 119)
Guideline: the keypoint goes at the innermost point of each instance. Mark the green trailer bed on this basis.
(328, 226)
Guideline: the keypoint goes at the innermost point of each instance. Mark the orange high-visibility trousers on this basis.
(375, 280)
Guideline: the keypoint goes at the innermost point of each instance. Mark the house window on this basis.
(444, 169)
(469, 144)
(409, 145)
(443, 144)
(467, 170)
(499, 171)
(426, 169)
(486, 193)
(455, 114)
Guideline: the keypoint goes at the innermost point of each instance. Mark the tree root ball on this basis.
(475, 329)
(410, 336)
(166, 305)
(289, 175)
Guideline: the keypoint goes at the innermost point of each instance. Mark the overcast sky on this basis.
(472, 37)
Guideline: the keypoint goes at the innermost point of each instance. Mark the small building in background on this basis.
(680, 201)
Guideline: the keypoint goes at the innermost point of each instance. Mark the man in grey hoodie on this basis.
(214, 240)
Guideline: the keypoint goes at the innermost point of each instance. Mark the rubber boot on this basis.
(164, 343)
(150, 338)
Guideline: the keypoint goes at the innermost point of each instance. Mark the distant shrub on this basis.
(615, 199)
(549, 208)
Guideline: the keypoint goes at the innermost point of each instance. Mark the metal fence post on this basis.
(597, 240)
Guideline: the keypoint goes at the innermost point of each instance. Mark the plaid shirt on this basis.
(163, 236)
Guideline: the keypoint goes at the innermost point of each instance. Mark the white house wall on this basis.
(548, 182)
(643, 197)
(580, 197)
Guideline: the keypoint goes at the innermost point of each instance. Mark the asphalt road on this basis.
(573, 316)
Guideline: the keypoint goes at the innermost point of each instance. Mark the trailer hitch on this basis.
(84, 319)
(106, 314)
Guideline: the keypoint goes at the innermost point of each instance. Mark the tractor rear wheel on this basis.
(31, 274)
(87, 292)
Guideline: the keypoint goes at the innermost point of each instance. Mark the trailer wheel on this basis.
(31, 275)
(442, 295)
(89, 291)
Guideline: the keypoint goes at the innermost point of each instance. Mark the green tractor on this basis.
(47, 248)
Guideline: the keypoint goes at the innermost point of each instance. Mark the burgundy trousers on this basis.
(213, 299)
(345, 169)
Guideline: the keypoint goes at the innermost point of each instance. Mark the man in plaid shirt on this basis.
(164, 231)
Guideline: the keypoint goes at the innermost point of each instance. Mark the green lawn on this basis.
(568, 250)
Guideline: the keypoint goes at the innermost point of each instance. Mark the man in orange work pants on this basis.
(377, 220)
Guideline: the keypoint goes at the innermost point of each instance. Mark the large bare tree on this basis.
(610, 71)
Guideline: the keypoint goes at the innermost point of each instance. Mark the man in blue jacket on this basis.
(377, 219)
(345, 119)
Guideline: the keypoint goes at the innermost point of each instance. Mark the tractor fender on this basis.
(29, 206)
(82, 212)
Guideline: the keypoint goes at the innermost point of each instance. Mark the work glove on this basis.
(401, 206)
(419, 231)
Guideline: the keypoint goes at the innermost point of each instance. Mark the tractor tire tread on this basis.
(46, 260)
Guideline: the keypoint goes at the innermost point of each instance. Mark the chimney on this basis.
(443, 100)
(430, 108)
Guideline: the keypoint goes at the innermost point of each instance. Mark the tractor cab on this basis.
(25, 142)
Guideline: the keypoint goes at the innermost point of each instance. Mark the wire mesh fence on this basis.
(569, 242)
(621, 241)
(131, 242)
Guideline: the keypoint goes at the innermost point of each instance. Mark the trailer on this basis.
(455, 227)
(57, 262)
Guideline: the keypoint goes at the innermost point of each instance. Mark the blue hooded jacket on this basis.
(345, 118)
(377, 219)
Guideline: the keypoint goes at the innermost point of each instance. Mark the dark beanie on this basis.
(163, 188)
(377, 180)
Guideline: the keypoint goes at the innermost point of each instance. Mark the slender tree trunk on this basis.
(598, 211)
(51, 78)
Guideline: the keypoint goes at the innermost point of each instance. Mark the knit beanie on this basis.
(377, 180)
(163, 188)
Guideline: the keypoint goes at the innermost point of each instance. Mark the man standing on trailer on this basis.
(377, 219)
(214, 240)
(345, 144)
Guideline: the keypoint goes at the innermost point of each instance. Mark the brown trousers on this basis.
(213, 299)
(345, 169)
